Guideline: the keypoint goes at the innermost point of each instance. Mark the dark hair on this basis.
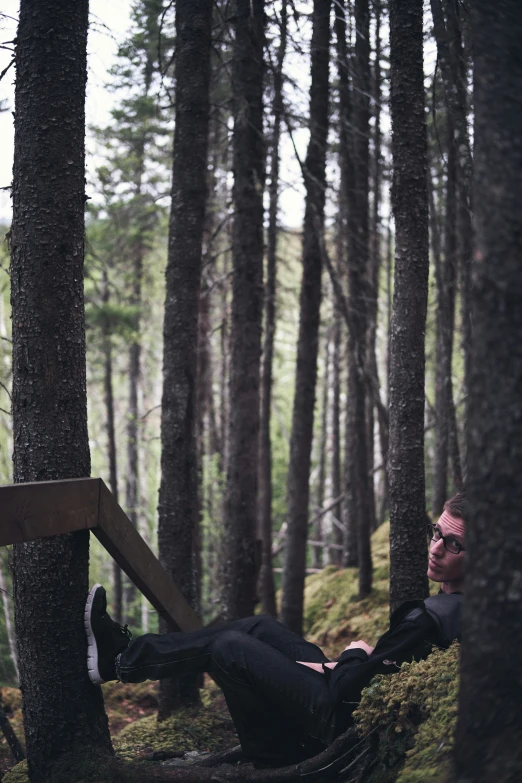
(457, 506)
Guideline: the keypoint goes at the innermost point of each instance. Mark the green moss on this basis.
(332, 612)
(18, 774)
(200, 728)
(414, 713)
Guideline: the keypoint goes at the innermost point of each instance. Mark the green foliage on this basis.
(18, 774)
(414, 713)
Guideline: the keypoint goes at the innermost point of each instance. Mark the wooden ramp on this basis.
(50, 508)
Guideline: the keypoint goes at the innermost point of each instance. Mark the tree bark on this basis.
(66, 727)
(359, 294)
(336, 555)
(178, 507)
(247, 309)
(309, 307)
(266, 580)
(489, 729)
(408, 551)
(453, 69)
(347, 166)
(445, 275)
(373, 390)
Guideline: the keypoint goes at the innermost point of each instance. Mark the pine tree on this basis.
(66, 728)
(307, 345)
(408, 552)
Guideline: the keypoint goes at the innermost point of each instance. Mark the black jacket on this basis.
(415, 628)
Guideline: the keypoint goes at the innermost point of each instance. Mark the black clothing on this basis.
(283, 711)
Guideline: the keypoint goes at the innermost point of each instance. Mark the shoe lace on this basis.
(125, 630)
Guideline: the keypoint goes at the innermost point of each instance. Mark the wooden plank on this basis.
(133, 555)
(47, 508)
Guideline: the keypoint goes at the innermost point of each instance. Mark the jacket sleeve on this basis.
(411, 636)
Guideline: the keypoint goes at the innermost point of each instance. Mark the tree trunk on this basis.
(117, 597)
(66, 728)
(132, 477)
(489, 727)
(408, 551)
(266, 580)
(247, 311)
(310, 302)
(359, 293)
(178, 507)
(346, 161)
(373, 390)
(445, 275)
(451, 58)
(336, 555)
(318, 552)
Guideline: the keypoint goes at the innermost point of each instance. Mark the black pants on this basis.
(283, 711)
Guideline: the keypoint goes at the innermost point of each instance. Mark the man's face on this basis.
(444, 566)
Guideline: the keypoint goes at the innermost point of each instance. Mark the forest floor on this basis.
(413, 711)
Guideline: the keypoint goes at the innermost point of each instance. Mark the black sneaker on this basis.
(105, 638)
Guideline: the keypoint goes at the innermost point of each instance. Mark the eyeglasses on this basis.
(450, 543)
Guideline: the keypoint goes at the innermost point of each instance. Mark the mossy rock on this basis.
(414, 713)
(199, 728)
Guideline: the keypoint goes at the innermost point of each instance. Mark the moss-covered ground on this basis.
(412, 712)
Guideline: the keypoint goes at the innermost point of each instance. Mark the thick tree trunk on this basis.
(489, 730)
(307, 345)
(408, 551)
(66, 728)
(266, 580)
(178, 507)
(247, 310)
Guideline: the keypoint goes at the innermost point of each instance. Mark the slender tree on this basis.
(247, 300)
(359, 294)
(66, 728)
(178, 496)
(448, 34)
(408, 551)
(265, 456)
(318, 552)
(347, 167)
(307, 344)
(489, 730)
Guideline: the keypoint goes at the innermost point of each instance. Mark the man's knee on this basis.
(228, 646)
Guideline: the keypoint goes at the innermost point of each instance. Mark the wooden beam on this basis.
(140, 564)
(48, 508)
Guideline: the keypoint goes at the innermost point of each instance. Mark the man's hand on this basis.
(318, 667)
(361, 646)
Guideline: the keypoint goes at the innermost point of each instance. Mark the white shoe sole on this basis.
(92, 647)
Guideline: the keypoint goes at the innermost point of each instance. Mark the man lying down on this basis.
(288, 701)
